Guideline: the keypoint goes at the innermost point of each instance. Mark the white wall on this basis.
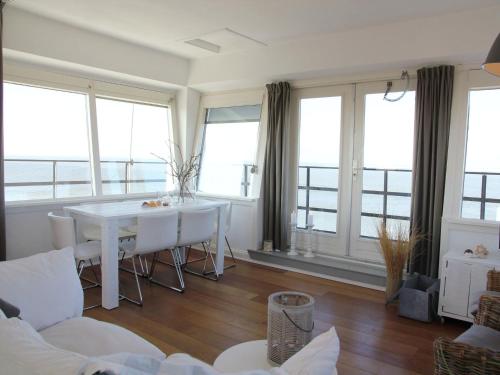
(30, 37)
(28, 230)
(187, 110)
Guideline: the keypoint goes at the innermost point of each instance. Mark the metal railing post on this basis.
(386, 177)
(483, 196)
(54, 179)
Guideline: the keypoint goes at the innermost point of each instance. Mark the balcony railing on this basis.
(384, 191)
(50, 177)
(484, 197)
(308, 187)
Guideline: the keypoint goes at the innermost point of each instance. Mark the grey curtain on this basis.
(275, 166)
(432, 128)
(3, 248)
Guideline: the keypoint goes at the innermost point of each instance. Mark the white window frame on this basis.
(330, 244)
(235, 99)
(465, 80)
(92, 89)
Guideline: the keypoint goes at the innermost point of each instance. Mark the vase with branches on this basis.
(183, 171)
(396, 245)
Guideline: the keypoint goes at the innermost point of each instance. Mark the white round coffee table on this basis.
(251, 355)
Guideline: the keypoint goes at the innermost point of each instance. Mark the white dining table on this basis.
(112, 215)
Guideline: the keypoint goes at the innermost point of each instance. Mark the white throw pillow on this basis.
(93, 338)
(24, 351)
(319, 357)
(45, 287)
(2, 315)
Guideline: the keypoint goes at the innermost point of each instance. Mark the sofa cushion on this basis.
(319, 357)
(92, 337)
(24, 351)
(2, 315)
(481, 337)
(45, 287)
(177, 364)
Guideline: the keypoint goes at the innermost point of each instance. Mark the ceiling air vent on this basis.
(224, 40)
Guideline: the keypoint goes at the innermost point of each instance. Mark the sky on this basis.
(52, 124)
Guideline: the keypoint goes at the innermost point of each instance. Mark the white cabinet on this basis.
(462, 281)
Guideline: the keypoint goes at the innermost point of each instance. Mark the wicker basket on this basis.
(289, 324)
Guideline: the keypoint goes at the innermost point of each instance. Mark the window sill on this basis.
(231, 198)
(364, 273)
(56, 203)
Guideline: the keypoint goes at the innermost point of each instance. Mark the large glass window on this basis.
(46, 144)
(229, 150)
(319, 150)
(131, 137)
(387, 156)
(481, 189)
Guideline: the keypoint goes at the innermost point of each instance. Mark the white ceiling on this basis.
(166, 24)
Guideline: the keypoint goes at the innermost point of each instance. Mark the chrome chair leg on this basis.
(204, 273)
(232, 257)
(144, 270)
(80, 267)
(93, 283)
(176, 256)
(186, 260)
(136, 302)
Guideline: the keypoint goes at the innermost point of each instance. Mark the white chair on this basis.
(155, 233)
(63, 235)
(197, 226)
(227, 227)
(92, 232)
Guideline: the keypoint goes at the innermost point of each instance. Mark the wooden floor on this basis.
(212, 316)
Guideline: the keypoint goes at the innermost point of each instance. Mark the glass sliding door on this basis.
(382, 165)
(321, 119)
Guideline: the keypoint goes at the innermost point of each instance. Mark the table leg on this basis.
(109, 265)
(221, 226)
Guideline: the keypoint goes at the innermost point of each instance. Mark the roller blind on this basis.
(245, 113)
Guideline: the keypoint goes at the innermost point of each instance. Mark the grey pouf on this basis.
(418, 298)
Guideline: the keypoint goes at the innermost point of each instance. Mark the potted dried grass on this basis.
(396, 246)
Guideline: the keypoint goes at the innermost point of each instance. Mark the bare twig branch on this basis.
(183, 172)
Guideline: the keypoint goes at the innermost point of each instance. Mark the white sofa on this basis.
(53, 338)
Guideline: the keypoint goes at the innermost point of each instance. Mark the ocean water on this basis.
(19, 172)
(227, 179)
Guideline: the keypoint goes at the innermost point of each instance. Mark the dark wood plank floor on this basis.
(212, 316)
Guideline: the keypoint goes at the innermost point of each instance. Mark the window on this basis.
(131, 137)
(68, 140)
(319, 150)
(229, 150)
(387, 156)
(481, 185)
(46, 144)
